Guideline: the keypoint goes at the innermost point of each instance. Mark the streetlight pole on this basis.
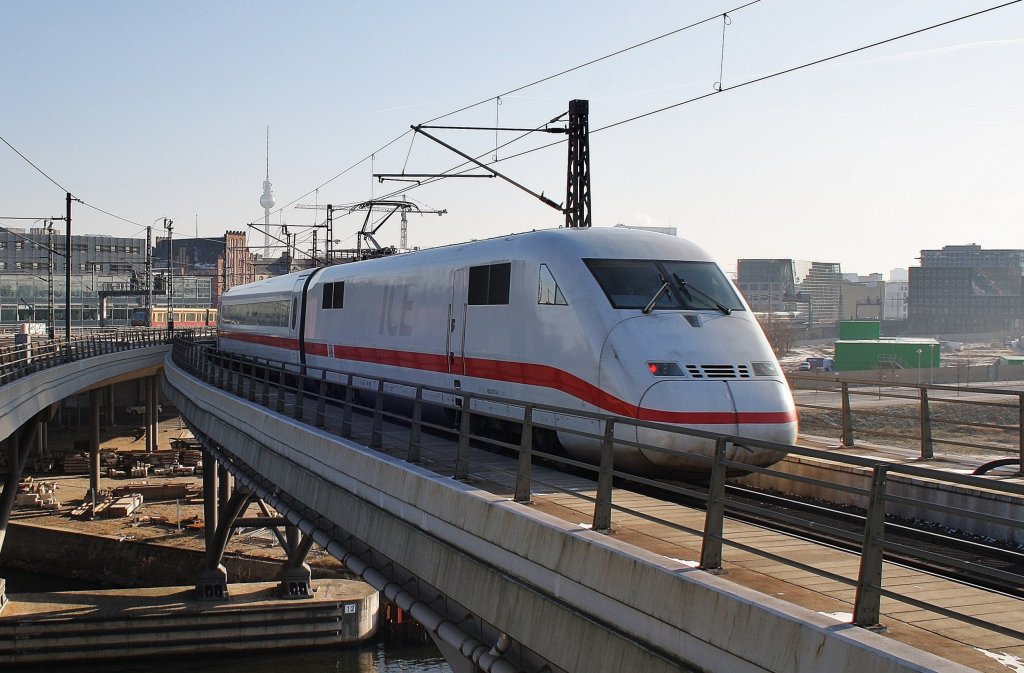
(169, 225)
(67, 280)
(149, 276)
(919, 351)
(50, 318)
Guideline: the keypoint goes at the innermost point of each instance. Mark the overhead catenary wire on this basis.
(512, 91)
(40, 170)
(809, 64)
(593, 61)
(749, 82)
(64, 189)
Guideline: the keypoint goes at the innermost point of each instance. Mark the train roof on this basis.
(545, 244)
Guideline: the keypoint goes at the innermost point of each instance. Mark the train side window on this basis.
(489, 284)
(334, 295)
(548, 291)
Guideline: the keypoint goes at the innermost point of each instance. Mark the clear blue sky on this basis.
(150, 109)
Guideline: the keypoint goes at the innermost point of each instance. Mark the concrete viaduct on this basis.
(499, 586)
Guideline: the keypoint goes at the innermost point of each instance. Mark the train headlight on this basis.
(664, 369)
(764, 369)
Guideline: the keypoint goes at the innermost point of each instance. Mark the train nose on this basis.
(757, 409)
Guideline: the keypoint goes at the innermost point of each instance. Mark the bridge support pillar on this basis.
(209, 499)
(152, 413)
(225, 485)
(213, 578)
(19, 446)
(94, 444)
(109, 398)
(43, 441)
(296, 577)
(213, 583)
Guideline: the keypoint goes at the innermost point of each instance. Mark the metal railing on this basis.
(984, 421)
(20, 360)
(329, 398)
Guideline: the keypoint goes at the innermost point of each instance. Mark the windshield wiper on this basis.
(657, 295)
(686, 287)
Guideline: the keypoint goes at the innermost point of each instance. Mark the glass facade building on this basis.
(106, 273)
(963, 289)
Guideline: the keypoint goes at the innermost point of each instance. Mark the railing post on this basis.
(523, 473)
(868, 601)
(462, 453)
(416, 429)
(847, 438)
(265, 396)
(300, 394)
(238, 376)
(346, 414)
(280, 389)
(927, 448)
(377, 430)
(252, 381)
(320, 419)
(221, 374)
(603, 502)
(1020, 432)
(714, 520)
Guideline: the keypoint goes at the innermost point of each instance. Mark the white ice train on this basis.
(612, 320)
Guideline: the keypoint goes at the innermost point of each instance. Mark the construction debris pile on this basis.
(174, 462)
(41, 494)
(122, 501)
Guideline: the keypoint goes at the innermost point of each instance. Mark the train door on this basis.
(456, 340)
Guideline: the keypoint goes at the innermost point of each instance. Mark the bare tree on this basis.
(780, 332)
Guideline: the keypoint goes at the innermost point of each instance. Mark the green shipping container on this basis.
(860, 329)
(886, 354)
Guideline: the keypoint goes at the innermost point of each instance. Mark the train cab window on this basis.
(548, 291)
(694, 285)
(631, 283)
(334, 295)
(489, 284)
(702, 285)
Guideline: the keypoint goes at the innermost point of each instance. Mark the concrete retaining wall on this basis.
(114, 563)
(77, 626)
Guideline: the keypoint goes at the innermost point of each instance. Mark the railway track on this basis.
(950, 554)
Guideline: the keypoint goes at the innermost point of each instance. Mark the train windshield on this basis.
(691, 285)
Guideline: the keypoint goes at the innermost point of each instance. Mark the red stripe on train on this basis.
(520, 372)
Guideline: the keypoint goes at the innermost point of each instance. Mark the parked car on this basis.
(139, 408)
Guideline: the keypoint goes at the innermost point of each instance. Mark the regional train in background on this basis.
(184, 316)
(610, 320)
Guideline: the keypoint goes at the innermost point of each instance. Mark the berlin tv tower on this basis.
(267, 201)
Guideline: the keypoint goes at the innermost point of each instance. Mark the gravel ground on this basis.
(176, 522)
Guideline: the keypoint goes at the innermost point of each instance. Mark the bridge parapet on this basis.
(20, 360)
